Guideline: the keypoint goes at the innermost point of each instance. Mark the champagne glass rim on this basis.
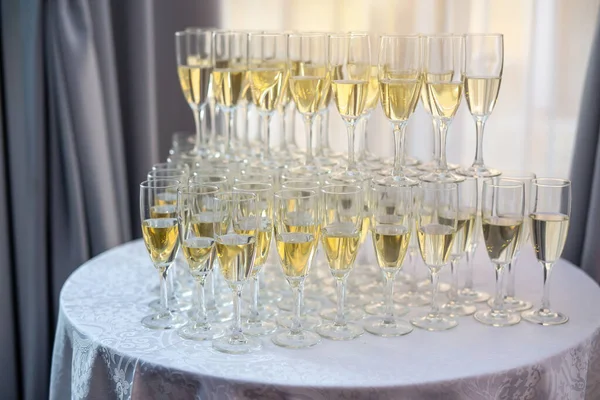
(341, 188)
(195, 173)
(382, 185)
(437, 186)
(298, 194)
(256, 187)
(551, 182)
(266, 34)
(445, 36)
(300, 182)
(231, 196)
(475, 34)
(161, 183)
(308, 34)
(505, 183)
(210, 189)
(400, 36)
(349, 35)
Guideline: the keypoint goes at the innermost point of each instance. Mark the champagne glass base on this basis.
(307, 321)
(472, 296)
(370, 288)
(264, 312)
(425, 286)
(412, 299)
(512, 304)
(459, 309)
(544, 317)
(176, 305)
(400, 181)
(499, 319)
(442, 177)
(231, 345)
(199, 332)
(163, 321)
(431, 166)
(217, 315)
(379, 309)
(259, 328)
(480, 171)
(405, 278)
(382, 327)
(411, 161)
(349, 175)
(434, 322)
(350, 314)
(333, 331)
(308, 306)
(300, 340)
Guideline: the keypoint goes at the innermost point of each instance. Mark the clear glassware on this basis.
(268, 74)
(400, 83)
(484, 63)
(502, 212)
(194, 52)
(237, 212)
(436, 224)
(412, 297)
(161, 237)
(443, 78)
(467, 218)
(340, 236)
(197, 243)
(297, 226)
(255, 324)
(182, 142)
(209, 178)
(350, 70)
(391, 221)
(511, 302)
(550, 211)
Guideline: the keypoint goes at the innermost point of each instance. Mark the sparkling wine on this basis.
(391, 243)
(435, 244)
(350, 97)
(164, 211)
(444, 98)
(199, 254)
(267, 85)
(340, 241)
(228, 85)
(501, 236)
(481, 94)
(399, 98)
(548, 234)
(194, 80)
(295, 252)
(236, 256)
(307, 92)
(161, 239)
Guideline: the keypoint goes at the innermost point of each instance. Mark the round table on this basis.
(102, 351)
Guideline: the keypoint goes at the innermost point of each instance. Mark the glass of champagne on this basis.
(255, 324)
(340, 237)
(484, 62)
(309, 81)
(197, 242)
(236, 212)
(364, 155)
(511, 302)
(391, 220)
(443, 78)
(297, 227)
(194, 51)
(400, 85)
(228, 75)
(161, 237)
(549, 218)
(350, 70)
(502, 212)
(467, 218)
(268, 74)
(436, 223)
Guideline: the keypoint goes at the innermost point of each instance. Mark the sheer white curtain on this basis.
(546, 48)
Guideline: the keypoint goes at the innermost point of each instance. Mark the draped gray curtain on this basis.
(582, 247)
(89, 101)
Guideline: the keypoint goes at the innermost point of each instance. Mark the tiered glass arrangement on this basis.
(224, 204)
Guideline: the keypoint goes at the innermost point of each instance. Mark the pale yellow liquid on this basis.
(444, 98)
(435, 243)
(549, 234)
(236, 256)
(263, 242)
(194, 81)
(267, 85)
(391, 243)
(227, 85)
(350, 97)
(203, 224)
(501, 236)
(307, 92)
(340, 242)
(164, 211)
(295, 252)
(372, 91)
(481, 94)
(399, 98)
(161, 240)
(199, 253)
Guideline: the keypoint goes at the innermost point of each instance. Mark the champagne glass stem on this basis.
(213, 120)
(210, 282)
(399, 138)
(236, 329)
(171, 274)
(228, 127)
(434, 291)
(201, 317)
(546, 296)
(243, 109)
(360, 145)
(283, 145)
(443, 128)
(479, 126)
(308, 123)
(510, 283)
(469, 269)
(498, 303)
(413, 270)
(340, 286)
(298, 288)
(164, 292)
(317, 136)
(389, 298)
(365, 148)
(198, 123)
(291, 139)
(452, 294)
(436, 142)
(254, 287)
(266, 119)
(350, 128)
(325, 129)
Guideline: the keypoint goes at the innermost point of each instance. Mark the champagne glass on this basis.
(161, 237)
(512, 303)
(268, 74)
(363, 122)
(391, 220)
(340, 237)
(484, 62)
(181, 142)
(502, 212)
(467, 218)
(255, 324)
(412, 297)
(436, 223)
(197, 242)
(297, 227)
(209, 178)
(350, 70)
(194, 51)
(228, 75)
(400, 85)
(443, 77)
(549, 218)
(309, 81)
(236, 232)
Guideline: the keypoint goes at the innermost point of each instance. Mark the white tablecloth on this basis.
(102, 351)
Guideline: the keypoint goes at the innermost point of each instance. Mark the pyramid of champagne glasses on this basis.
(274, 237)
